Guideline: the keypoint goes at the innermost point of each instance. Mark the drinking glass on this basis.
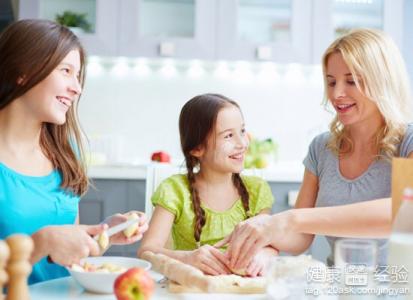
(356, 260)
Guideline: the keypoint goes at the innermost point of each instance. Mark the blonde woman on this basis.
(348, 169)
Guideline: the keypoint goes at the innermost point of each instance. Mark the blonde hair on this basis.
(380, 74)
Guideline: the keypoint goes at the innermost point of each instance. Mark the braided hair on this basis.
(196, 122)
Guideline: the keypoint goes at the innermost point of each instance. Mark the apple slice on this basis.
(103, 240)
(131, 230)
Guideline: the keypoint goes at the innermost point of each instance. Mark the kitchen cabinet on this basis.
(214, 29)
(284, 31)
(110, 196)
(333, 18)
(171, 28)
(278, 30)
(101, 14)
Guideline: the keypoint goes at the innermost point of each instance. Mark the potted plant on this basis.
(77, 22)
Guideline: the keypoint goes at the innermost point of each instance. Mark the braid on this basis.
(196, 201)
(242, 190)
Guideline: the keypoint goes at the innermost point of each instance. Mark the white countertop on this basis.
(67, 289)
(279, 172)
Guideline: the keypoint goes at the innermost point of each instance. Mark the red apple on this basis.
(161, 156)
(134, 284)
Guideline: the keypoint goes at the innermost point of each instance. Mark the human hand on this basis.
(120, 238)
(67, 244)
(209, 260)
(250, 236)
(260, 261)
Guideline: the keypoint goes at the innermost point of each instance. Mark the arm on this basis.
(41, 243)
(255, 233)
(157, 235)
(66, 244)
(297, 241)
(206, 258)
(369, 219)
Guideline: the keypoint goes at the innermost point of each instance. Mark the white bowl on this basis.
(102, 283)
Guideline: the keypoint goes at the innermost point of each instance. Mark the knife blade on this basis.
(118, 228)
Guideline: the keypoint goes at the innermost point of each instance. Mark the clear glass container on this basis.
(168, 18)
(264, 21)
(400, 258)
(349, 14)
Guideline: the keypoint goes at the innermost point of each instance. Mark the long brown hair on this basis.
(196, 123)
(30, 50)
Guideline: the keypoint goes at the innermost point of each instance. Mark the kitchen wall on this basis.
(136, 104)
(130, 108)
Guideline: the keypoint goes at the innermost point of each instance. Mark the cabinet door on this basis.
(171, 28)
(102, 15)
(277, 30)
(332, 18)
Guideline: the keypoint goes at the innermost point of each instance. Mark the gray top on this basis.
(334, 189)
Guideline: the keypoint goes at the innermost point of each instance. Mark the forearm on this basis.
(293, 242)
(176, 254)
(40, 245)
(369, 219)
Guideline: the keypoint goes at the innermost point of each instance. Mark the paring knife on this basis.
(118, 228)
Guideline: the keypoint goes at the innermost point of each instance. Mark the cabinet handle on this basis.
(264, 53)
(166, 49)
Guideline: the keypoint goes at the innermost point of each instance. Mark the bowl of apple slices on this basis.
(98, 274)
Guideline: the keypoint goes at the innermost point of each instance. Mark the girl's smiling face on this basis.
(226, 145)
(50, 99)
(351, 104)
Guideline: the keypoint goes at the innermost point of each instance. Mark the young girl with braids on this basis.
(204, 205)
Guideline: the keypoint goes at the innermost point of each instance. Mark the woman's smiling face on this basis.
(351, 104)
(51, 98)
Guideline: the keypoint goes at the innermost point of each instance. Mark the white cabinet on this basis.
(284, 31)
(332, 18)
(101, 14)
(172, 28)
(278, 30)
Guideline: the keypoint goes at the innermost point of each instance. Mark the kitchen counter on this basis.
(67, 289)
(279, 172)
